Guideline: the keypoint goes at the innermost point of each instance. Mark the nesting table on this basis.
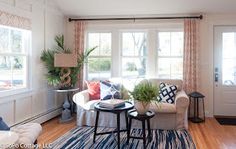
(133, 114)
(117, 111)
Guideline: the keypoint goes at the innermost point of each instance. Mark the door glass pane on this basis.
(229, 58)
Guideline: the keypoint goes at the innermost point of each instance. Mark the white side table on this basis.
(8, 139)
(67, 107)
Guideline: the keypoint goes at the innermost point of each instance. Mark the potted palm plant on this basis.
(143, 94)
(54, 73)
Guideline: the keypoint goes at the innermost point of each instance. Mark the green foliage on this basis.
(96, 65)
(145, 92)
(53, 74)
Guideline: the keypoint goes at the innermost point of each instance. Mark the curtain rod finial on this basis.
(69, 19)
(200, 17)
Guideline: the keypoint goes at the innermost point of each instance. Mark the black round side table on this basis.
(117, 111)
(196, 96)
(133, 114)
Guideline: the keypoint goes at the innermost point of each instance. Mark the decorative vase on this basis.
(141, 107)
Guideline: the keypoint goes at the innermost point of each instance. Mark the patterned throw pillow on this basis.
(93, 89)
(167, 93)
(109, 90)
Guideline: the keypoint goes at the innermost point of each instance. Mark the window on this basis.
(170, 55)
(99, 62)
(134, 52)
(14, 47)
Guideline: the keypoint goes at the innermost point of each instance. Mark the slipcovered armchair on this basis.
(167, 116)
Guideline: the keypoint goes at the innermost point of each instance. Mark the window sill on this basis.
(14, 92)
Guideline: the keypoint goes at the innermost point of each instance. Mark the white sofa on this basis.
(167, 116)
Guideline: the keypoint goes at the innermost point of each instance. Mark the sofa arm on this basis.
(181, 100)
(181, 103)
(81, 98)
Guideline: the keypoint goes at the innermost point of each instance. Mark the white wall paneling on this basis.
(39, 103)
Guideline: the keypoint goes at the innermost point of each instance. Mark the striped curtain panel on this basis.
(79, 47)
(190, 60)
(8, 19)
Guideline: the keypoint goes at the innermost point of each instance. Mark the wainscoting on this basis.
(39, 102)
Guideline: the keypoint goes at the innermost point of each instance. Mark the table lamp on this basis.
(65, 61)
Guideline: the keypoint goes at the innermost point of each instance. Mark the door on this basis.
(225, 70)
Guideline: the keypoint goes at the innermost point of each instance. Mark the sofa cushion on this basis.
(162, 108)
(110, 90)
(93, 89)
(167, 93)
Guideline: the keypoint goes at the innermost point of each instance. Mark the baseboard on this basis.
(222, 116)
(43, 117)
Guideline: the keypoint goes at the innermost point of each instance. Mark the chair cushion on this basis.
(110, 90)
(167, 93)
(28, 133)
(3, 125)
(93, 89)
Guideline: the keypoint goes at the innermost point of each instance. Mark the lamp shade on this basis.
(65, 60)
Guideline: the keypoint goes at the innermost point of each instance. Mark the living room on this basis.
(189, 46)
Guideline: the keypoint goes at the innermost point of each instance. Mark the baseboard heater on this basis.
(38, 116)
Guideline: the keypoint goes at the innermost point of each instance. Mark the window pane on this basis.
(103, 41)
(4, 40)
(170, 68)
(99, 68)
(170, 55)
(19, 71)
(134, 67)
(16, 41)
(105, 44)
(134, 44)
(177, 43)
(164, 43)
(12, 72)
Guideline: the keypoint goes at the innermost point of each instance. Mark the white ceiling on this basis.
(144, 7)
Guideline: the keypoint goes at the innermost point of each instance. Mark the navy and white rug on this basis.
(82, 138)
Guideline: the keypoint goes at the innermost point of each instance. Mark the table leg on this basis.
(129, 129)
(118, 130)
(203, 109)
(96, 125)
(197, 109)
(144, 134)
(149, 130)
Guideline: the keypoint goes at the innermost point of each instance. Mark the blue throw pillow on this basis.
(109, 90)
(3, 125)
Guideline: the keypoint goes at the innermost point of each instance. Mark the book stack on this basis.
(112, 103)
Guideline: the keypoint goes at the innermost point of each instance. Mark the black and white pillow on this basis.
(167, 93)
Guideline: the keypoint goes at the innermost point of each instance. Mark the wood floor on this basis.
(208, 135)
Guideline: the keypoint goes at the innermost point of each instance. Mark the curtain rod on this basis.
(141, 18)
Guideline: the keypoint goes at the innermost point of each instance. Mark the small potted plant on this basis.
(143, 94)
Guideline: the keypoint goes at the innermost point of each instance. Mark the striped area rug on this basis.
(82, 138)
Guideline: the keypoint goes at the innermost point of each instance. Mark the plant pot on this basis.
(141, 107)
